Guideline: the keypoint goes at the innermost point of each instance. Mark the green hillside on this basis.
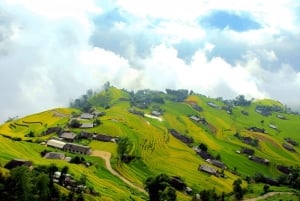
(225, 128)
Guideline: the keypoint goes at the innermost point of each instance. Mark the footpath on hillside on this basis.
(267, 195)
(106, 156)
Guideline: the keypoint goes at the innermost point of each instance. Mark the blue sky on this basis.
(53, 51)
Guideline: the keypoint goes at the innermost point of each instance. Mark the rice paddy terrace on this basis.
(164, 131)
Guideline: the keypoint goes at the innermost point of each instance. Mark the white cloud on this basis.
(47, 55)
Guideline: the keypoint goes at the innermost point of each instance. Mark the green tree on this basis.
(203, 147)
(169, 193)
(159, 188)
(266, 188)
(74, 123)
(20, 184)
(42, 187)
(237, 189)
(124, 147)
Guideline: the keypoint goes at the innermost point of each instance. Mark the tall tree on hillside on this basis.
(237, 189)
(20, 187)
(159, 188)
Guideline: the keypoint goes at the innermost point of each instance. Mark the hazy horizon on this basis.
(54, 51)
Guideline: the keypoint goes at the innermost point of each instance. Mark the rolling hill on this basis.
(163, 132)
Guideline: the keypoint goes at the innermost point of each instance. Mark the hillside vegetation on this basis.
(160, 132)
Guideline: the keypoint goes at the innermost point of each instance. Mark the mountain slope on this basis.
(154, 149)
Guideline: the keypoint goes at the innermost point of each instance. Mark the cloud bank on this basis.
(52, 51)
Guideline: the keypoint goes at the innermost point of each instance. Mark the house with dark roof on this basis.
(247, 151)
(217, 163)
(259, 160)
(68, 136)
(16, 163)
(76, 148)
(179, 136)
(55, 155)
(198, 119)
(284, 169)
(102, 137)
(288, 146)
(292, 142)
(205, 155)
(86, 135)
(256, 129)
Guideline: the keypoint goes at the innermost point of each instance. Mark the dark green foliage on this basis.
(266, 188)
(97, 122)
(24, 184)
(237, 189)
(241, 101)
(30, 134)
(74, 123)
(77, 160)
(159, 188)
(210, 195)
(124, 148)
(177, 95)
(83, 103)
(203, 147)
(143, 98)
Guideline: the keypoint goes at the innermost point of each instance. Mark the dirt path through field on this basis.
(106, 156)
(270, 194)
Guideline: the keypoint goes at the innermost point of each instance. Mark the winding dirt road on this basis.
(106, 156)
(270, 194)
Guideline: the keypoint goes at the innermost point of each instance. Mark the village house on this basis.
(56, 143)
(68, 136)
(205, 155)
(55, 155)
(179, 136)
(217, 163)
(86, 135)
(292, 142)
(247, 151)
(273, 126)
(208, 169)
(198, 119)
(156, 113)
(16, 163)
(281, 117)
(259, 160)
(256, 129)
(288, 146)
(284, 169)
(86, 116)
(212, 104)
(87, 125)
(76, 148)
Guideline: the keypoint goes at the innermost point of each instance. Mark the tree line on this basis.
(25, 184)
